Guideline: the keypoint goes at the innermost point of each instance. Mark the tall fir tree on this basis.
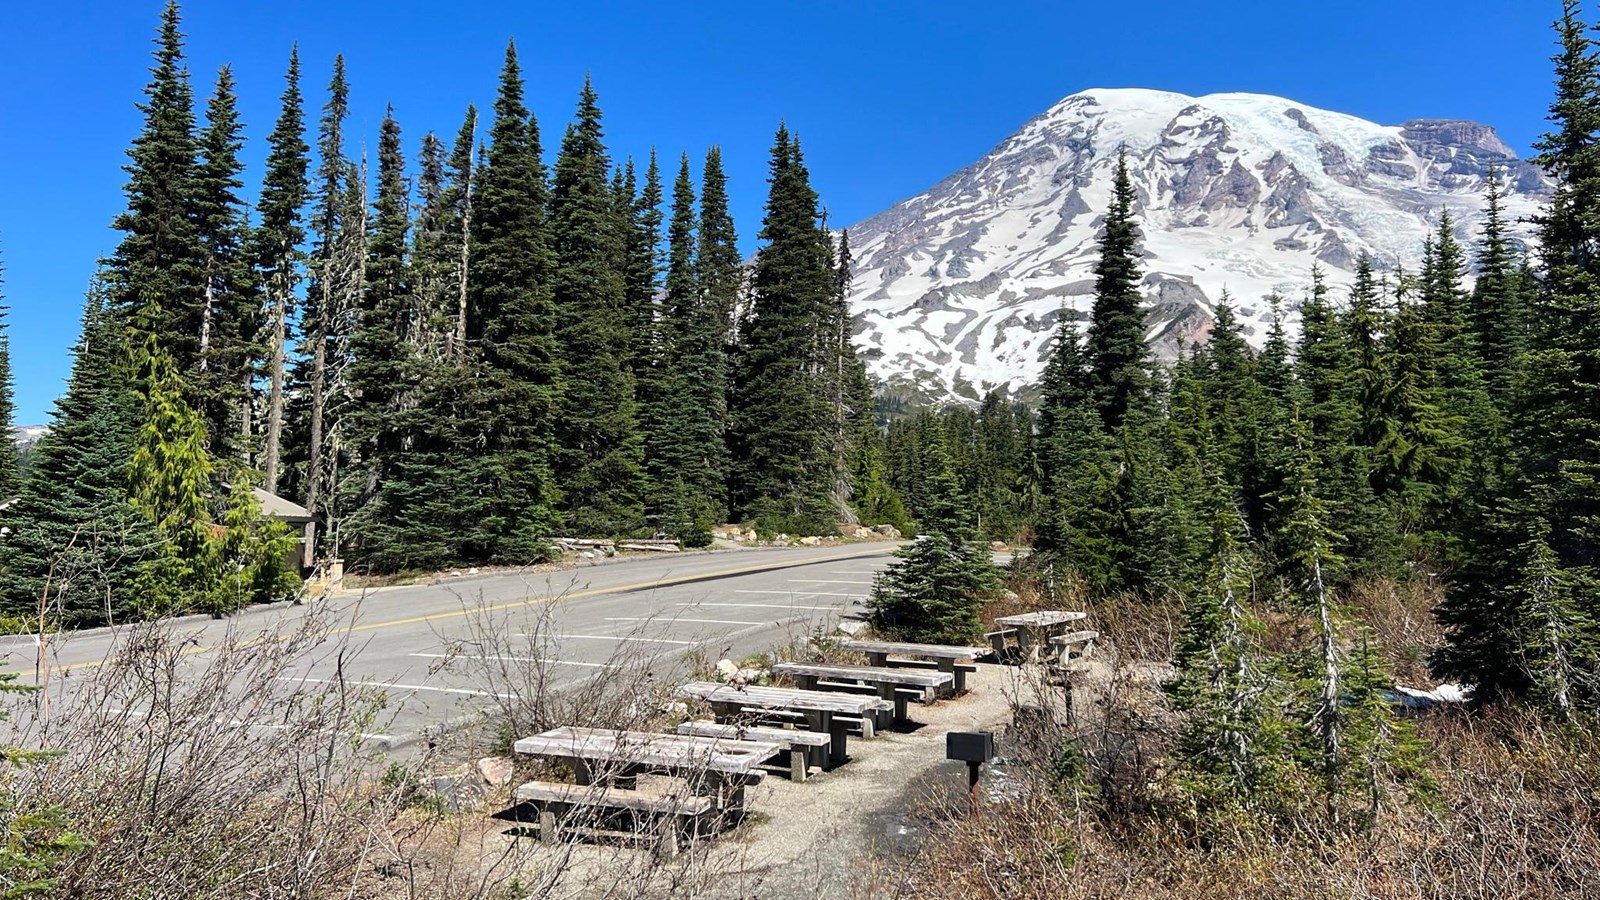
(511, 321)
(1497, 317)
(335, 284)
(229, 330)
(688, 450)
(154, 279)
(780, 429)
(600, 450)
(1116, 351)
(719, 266)
(384, 373)
(278, 236)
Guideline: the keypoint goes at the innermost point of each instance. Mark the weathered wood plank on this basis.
(1041, 619)
(868, 674)
(932, 651)
(781, 698)
(600, 748)
(612, 797)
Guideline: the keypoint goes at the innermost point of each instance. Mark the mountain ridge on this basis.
(958, 287)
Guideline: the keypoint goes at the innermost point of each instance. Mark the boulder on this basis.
(496, 770)
(811, 541)
(727, 669)
(888, 531)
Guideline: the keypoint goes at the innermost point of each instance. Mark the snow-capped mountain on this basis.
(957, 289)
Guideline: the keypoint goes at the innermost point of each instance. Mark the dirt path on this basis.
(820, 839)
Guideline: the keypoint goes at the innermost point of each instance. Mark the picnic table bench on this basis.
(1034, 630)
(806, 748)
(822, 711)
(1075, 649)
(895, 685)
(716, 767)
(945, 656)
(565, 806)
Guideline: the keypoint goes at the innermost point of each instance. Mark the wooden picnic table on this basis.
(890, 684)
(946, 656)
(1034, 630)
(715, 766)
(819, 708)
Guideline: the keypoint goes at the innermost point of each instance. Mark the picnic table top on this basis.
(931, 651)
(1042, 619)
(782, 698)
(647, 748)
(870, 674)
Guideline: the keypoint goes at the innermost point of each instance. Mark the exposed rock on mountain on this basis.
(957, 289)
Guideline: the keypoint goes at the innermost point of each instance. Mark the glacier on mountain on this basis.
(956, 290)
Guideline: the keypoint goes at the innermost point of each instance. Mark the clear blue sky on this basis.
(887, 96)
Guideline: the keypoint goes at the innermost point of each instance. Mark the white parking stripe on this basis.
(824, 581)
(495, 658)
(759, 605)
(630, 639)
(805, 594)
(692, 621)
(398, 687)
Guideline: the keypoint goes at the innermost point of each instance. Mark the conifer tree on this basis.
(1555, 423)
(600, 455)
(1233, 743)
(337, 257)
(1510, 628)
(457, 199)
(1497, 317)
(1073, 461)
(1116, 351)
(227, 353)
(642, 280)
(511, 319)
(278, 236)
(384, 374)
(77, 545)
(784, 471)
(719, 266)
(170, 477)
(1306, 546)
(935, 589)
(689, 450)
(155, 276)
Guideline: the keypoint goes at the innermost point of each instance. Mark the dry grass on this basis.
(218, 771)
(1514, 815)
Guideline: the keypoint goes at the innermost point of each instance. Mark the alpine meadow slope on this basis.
(956, 290)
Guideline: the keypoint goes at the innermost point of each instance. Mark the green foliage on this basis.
(599, 449)
(787, 472)
(935, 590)
(76, 543)
(507, 509)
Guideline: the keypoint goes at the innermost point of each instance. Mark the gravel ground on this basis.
(821, 839)
(824, 837)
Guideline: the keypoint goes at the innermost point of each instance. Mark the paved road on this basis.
(422, 644)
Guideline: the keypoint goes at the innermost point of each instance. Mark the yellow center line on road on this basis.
(530, 601)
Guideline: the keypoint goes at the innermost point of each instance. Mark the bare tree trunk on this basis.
(460, 347)
(205, 325)
(280, 335)
(319, 365)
